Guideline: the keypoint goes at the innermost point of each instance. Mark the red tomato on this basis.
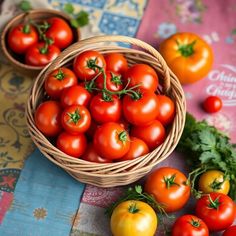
(137, 148)
(212, 104)
(143, 75)
(113, 81)
(21, 37)
(60, 32)
(217, 210)
(141, 111)
(231, 231)
(168, 186)
(189, 225)
(58, 80)
(86, 64)
(92, 156)
(72, 145)
(103, 111)
(47, 118)
(166, 110)
(38, 55)
(76, 119)
(111, 141)
(116, 62)
(153, 134)
(75, 95)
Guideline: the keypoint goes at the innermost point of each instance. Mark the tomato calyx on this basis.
(60, 75)
(74, 117)
(195, 223)
(26, 29)
(123, 136)
(216, 184)
(116, 79)
(214, 204)
(170, 181)
(133, 208)
(186, 50)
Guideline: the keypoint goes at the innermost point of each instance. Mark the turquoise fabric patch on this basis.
(46, 200)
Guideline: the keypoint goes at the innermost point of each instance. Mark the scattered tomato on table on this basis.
(212, 104)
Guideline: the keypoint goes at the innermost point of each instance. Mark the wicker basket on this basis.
(119, 173)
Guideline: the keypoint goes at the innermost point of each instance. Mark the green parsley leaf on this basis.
(25, 5)
(82, 18)
(69, 8)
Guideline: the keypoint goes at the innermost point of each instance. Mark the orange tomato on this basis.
(188, 56)
(133, 218)
(168, 186)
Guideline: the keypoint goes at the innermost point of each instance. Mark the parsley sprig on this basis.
(207, 148)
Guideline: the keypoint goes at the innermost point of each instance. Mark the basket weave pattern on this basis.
(119, 173)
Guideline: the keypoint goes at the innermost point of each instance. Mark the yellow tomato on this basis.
(133, 218)
(188, 56)
(213, 181)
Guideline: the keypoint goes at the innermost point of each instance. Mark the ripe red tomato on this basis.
(103, 111)
(189, 225)
(60, 32)
(217, 210)
(73, 145)
(111, 141)
(86, 64)
(21, 37)
(116, 62)
(166, 110)
(47, 118)
(38, 55)
(212, 104)
(168, 186)
(137, 148)
(75, 95)
(76, 119)
(152, 134)
(141, 111)
(231, 231)
(113, 81)
(92, 156)
(58, 80)
(143, 75)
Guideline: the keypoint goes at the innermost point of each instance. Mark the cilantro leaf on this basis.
(69, 8)
(25, 5)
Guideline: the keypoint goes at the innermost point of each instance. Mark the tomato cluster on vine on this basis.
(103, 110)
(39, 43)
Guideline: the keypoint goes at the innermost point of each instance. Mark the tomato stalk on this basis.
(216, 184)
(26, 29)
(186, 50)
(123, 136)
(133, 208)
(195, 223)
(60, 75)
(74, 117)
(213, 204)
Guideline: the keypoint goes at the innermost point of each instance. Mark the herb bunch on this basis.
(207, 148)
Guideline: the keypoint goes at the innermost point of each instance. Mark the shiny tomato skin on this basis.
(75, 95)
(105, 111)
(137, 148)
(113, 81)
(141, 111)
(35, 57)
(166, 110)
(60, 32)
(72, 145)
(92, 156)
(142, 222)
(76, 119)
(189, 225)
(116, 62)
(81, 68)
(152, 134)
(47, 118)
(231, 231)
(143, 75)
(212, 104)
(192, 68)
(111, 141)
(19, 41)
(173, 196)
(58, 80)
(220, 217)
